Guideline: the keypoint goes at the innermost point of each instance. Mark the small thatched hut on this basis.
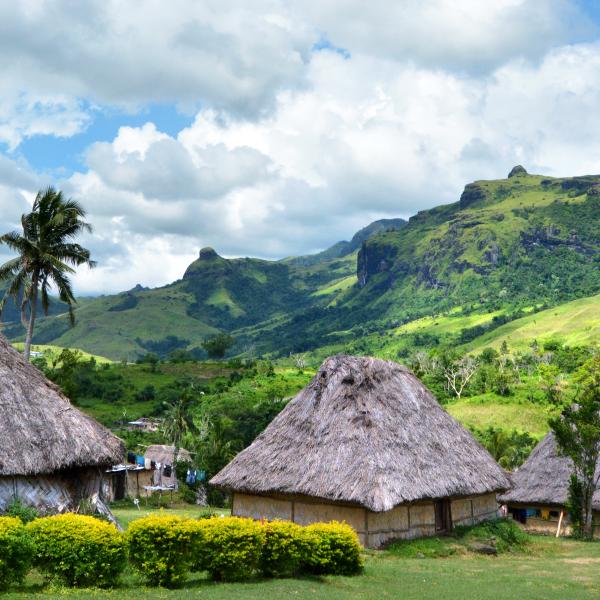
(51, 454)
(367, 443)
(540, 491)
(164, 456)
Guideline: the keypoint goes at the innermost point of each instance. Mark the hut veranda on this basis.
(540, 491)
(52, 455)
(367, 443)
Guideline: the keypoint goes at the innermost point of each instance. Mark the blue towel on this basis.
(139, 460)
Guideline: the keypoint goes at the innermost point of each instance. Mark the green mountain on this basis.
(504, 249)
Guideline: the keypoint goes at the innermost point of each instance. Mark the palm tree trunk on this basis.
(32, 311)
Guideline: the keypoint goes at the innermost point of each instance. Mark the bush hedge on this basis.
(333, 549)
(161, 548)
(86, 551)
(15, 551)
(284, 550)
(230, 548)
(80, 550)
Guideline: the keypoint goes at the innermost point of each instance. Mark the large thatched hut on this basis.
(540, 490)
(365, 442)
(51, 454)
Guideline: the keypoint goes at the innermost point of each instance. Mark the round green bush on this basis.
(333, 549)
(161, 548)
(230, 548)
(284, 549)
(81, 550)
(15, 551)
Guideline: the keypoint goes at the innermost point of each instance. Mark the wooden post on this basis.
(559, 523)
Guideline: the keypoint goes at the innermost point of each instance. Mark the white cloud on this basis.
(292, 150)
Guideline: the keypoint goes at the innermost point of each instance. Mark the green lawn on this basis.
(559, 570)
(126, 515)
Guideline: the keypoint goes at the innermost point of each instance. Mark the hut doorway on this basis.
(443, 519)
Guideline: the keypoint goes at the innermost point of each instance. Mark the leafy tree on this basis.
(577, 433)
(46, 255)
(217, 346)
(178, 418)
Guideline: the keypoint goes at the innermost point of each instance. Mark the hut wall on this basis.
(373, 528)
(470, 511)
(45, 492)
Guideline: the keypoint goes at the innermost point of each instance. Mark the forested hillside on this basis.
(505, 250)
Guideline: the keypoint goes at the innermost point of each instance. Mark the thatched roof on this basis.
(364, 431)
(40, 431)
(544, 478)
(165, 454)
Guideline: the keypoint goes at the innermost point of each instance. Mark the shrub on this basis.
(284, 549)
(15, 551)
(333, 549)
(81, 550)
(231, 548)
(161, 548)
(17, 509)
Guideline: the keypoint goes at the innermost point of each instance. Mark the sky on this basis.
(277, 128)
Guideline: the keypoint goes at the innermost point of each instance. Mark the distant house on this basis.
(164, 455)
(143, 424)
(540, 491)
(366, 442)
(51, 455)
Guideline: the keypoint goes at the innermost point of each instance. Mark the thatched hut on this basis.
(540, 490)
(164, 455)
(51, 454)
(367, 443)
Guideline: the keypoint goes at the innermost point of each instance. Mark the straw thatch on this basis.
(40, 431)
(164, 455)
(543, 479)
(368, 432)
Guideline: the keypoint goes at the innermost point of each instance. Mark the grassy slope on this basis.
(52, 351)
(558, 569)
(574, 323)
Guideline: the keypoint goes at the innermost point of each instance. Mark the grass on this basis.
(574, 323)
(127, 514)
(490, 410)
(555, 570)
(52, 351)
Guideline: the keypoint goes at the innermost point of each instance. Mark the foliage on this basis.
(231, 548)
(503, 534)
(80, 550)
(217, 345)
(46, 256)
(334, 549)
(161, 548)
(575, 504)
(509, 449)
(25, 513)
(577, 433)
(284, 550)
(15, 551)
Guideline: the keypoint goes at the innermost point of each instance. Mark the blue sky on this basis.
(281, 128)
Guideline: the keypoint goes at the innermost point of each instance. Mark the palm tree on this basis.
(47, 254)
(178, 420)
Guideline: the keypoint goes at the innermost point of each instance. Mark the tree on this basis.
(459, 373)
(46, 255)
(217, 345)
(577, 433)
(178, 419)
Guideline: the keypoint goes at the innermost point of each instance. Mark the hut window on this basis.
(554, 514)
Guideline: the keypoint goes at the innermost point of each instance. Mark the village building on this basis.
(52, 456)
(164, 456)
(540, 491)
(367, 443)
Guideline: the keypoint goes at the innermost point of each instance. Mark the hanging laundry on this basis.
(131, 458)
(201, 475)
(153, 465)
(189, 477)
(167, 471)
(139, 460)
(147, 464)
